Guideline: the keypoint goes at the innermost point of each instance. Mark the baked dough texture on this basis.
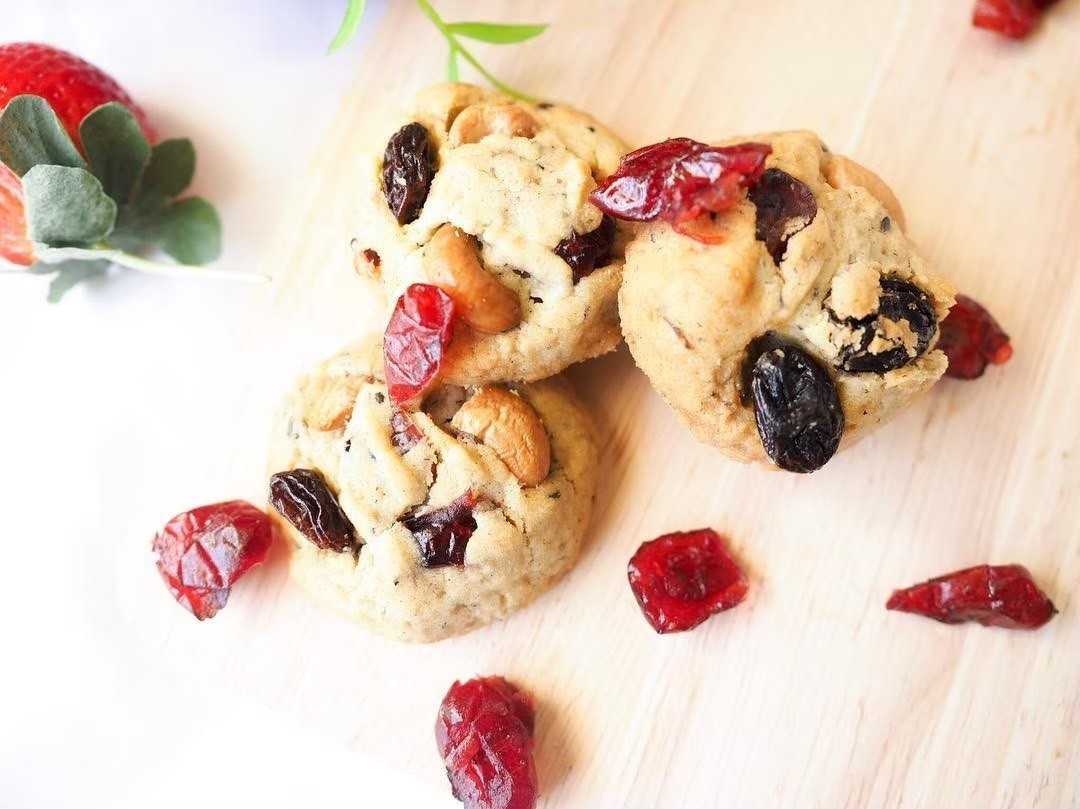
(526, 538)
(519, 196)
(689, 309)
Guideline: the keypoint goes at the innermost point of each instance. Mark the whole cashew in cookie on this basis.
(480, 120)
(509, 426)
(452, 261)
(843, 172)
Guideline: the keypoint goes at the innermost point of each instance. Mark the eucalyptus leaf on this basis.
(354, 13)
(31, 135)
(116, 148)
(66, 206)
(190, 231)
(171, 168)
(72, 273)
(496, 33)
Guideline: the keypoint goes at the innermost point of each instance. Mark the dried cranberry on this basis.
(302, 497)
(992, 595)
(900, 301)
(416, 337)
(202, 552)
(404, 434)
(1012, 18)
(785, 206)
(409, 165)
(681, 579)
(585, 252)
(796, 405)
(972, 339)
(442, 534)
(484, 732)
(679, 180)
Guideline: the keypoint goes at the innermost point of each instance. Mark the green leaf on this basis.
(189, 231)
(72, 273)
(171, 168)
(452, 72)
(353, 14)
(66, 206)
(116, 148)
(31, 135)
(496, 33)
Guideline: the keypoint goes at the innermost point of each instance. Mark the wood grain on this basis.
(811, 694)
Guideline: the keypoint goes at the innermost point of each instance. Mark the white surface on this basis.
(85, 719)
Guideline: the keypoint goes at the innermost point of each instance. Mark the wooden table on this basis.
(810, 694)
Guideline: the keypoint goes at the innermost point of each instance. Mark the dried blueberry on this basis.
(302, 497)
(784, 207)
(409, 164)
(585, 252)
(797, 407)
(901, 303)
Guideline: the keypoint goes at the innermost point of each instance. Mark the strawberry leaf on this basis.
(31, 135)
(66, 206)
(496, 33)
(353, 14)
(189, 231)
(171, 168)
(116, 147)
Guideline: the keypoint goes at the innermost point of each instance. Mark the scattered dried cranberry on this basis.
(201, 552)
(681, 579)
(900, 301)
(302, 497)
(679, 180)
(785, 206)
(404, 434)
(409, 165)
(442, 534)
(992, 595)
(796, 404)
(972, 339)
(484, 732)
(416, 337)
(1012, 18)
(585, 252)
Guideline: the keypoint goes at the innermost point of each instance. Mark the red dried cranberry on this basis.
(302, 497)
(992, 595)
(1012, 18)
(972, 339)
(442, 534)
(785, 206)
(202, 552)
(408, 168)
(585, 252)
(416, 338)
(484, 732)
(681, 579)
(404, 435)
(679, 180)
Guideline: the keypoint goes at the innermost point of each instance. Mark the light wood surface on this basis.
(810, 694)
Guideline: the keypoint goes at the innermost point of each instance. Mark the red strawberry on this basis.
(74, 88)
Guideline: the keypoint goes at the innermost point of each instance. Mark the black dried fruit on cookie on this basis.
(302, 497)
(409, 165)
(903, 310)
(442, 535)
(585, 252)
(796, 404)
(785, 206)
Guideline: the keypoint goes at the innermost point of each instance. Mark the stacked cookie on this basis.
(437, 477)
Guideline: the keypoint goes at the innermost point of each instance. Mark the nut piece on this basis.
(480, 120)
(452, 262)
(509, 426)
(842, 172)
(329, 400)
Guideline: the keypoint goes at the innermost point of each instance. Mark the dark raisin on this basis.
(302, 497)
(796, 405)
(900, 301)
(585, 252)
(404, 435)
(784, 207)
(886, 224)
(409, 164)
(442, 534)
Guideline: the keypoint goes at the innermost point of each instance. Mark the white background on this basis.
(126, 404)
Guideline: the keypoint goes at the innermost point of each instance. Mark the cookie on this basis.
(487, 198)
(808, 318)
(429, 524)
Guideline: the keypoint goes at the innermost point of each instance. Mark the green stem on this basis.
(54, 255)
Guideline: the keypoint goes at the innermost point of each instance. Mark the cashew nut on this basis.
(452, 262)
(843, 172)
(509, 426)
(478, 121)
(329, 400)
